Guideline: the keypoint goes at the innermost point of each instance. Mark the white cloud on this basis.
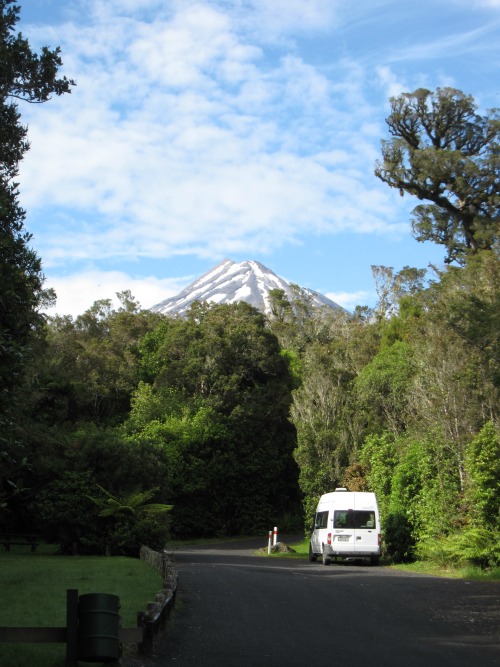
(459, 42)
(277, 21)
(390, 81)
(204, 128)
(349, 300)
(78, 292)
(179, 138)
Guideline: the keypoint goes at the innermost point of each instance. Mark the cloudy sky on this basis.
(245, 129)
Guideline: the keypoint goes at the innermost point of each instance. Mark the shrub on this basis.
(398, 538)
(474, 546)
(129, 533)
(65, 515)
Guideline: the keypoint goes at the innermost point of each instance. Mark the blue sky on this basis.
(242, 129)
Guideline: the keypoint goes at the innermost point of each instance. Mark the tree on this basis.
(216, 398)
(443, 152)
(133, 502)
(324, 410)
(392, 287)
(382, 388)
(26, 76)
(63, 513)
(91, 366)
(132, 521)
(483, 468)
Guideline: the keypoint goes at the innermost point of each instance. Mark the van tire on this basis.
(312, 556)
(326, 559)
(374, 560)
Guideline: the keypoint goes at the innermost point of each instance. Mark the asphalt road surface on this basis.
(234, 609)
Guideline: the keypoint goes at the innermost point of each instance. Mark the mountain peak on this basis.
(230, 282)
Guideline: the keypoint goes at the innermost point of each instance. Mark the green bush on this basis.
(483, 469)
(129, 533)
(478, 547)
(398, 538)
(65, 515)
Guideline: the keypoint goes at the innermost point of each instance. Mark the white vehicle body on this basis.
(346, 525)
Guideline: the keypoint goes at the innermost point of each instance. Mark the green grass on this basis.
(33, 593)
(419, 567)
(469, 573)
(200, 541)
(301, 551)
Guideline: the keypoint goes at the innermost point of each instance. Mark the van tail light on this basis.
(379, 539)
(329, 539)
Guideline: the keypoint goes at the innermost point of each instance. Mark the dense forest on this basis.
(241, 422)
(122, 426)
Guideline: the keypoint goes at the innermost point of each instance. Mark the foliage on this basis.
(94, 362)
(379, 455)
(239, 421)
(65, 514)
(382, 387)
(29, 77)
(417, 488)
(215, 399)
(483, 469)
(474, 546)
(220, 418)
(444, 152)
(392, 287)
(134, 521)
(399, 542)
(324, 410)
(128, 534)
(134, 502)
(355, 478)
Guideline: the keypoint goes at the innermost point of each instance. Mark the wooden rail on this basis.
(149, 623)
(41, 635)
(65, 635)
(27, 539)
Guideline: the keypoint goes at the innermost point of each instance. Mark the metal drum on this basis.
(98, 627)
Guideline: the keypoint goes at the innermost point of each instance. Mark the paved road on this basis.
(235, 609)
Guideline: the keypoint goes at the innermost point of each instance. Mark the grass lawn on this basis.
(33, 593)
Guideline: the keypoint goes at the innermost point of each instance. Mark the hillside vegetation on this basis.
(240, 422)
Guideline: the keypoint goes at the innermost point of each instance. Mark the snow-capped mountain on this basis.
(229, 282)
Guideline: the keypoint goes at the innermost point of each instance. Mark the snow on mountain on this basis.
(229, 282)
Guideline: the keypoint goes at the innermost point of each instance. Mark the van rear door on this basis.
(320, 531)
(365, 532)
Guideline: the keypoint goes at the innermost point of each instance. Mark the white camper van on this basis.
(346, 525)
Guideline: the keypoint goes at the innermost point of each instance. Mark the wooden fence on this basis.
(149, 622)
(153, 620)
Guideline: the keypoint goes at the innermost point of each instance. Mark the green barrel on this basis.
(98, 627)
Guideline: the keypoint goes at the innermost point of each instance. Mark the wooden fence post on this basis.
(71, 627)
(145, 648)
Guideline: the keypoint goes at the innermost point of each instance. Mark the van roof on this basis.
(349, 499)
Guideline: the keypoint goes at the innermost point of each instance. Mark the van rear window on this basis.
(353, 519)
(321, 520)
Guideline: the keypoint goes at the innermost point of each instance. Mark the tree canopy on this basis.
(236, 420)
(31, 77)
(444, 152)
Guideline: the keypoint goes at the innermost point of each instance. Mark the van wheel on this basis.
(326, 559)
(373, 560)
(312, 555)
